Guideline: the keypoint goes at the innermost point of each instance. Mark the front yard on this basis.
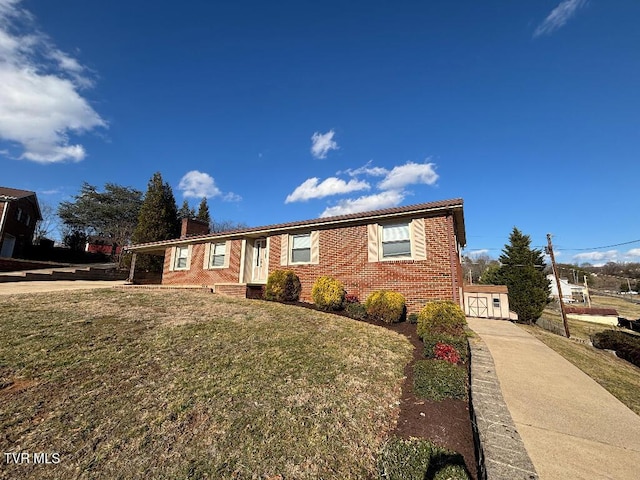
(124, 384)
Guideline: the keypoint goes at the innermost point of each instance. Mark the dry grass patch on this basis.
(619, 377)
(191, 385)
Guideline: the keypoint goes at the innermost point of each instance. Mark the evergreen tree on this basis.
(186, 211)
(522, 271)
(158, 220)
(203, 211)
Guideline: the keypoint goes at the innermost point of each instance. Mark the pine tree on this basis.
(522, 271)
(186, 211)
(158, 220)
(203, 211)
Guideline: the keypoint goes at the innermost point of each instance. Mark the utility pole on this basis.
(555, 272)
(586, 287)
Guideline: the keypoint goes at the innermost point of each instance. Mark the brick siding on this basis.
(343, 255)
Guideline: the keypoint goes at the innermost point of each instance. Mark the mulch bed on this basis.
(446, 423)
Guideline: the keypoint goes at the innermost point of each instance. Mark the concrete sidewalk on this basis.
(572, 428)
(14, 288)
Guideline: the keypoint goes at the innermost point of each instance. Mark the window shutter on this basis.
(207, 254)
(189, 254)
(372, 242)
(418, 240)
(227, 253)
(172, 259)
(284, 249)
(315, 247)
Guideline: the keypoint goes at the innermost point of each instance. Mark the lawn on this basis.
(133, 384)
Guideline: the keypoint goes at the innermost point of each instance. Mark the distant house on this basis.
(103, 245)
(414, 250)
(488, 301)
(570, 292)
(19, 213)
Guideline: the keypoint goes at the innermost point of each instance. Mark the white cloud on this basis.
(197, 184)
(388, 199)
(310, 188)
(323, 143)
(366, 169)
(597, 258)
(634, 252)
(559, 16)
(40, 104)
(477, 253)
(408, 174)
(231, 197)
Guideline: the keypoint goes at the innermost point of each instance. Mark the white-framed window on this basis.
(400, 240)
(217, 255)
(496, 302)
(396, 241)
(181, 258)
(19, 214)
(301, 248)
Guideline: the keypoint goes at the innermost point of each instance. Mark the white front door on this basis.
(260, 261)
(7, 245)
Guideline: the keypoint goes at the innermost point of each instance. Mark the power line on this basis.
(606, 246)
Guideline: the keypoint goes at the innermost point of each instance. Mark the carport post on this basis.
(132, 270)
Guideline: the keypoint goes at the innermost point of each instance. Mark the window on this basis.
(396, 241)
(182, 253)
(301, 248)
(28, 221)
(19, 214)
(217, 254)
(496, 302)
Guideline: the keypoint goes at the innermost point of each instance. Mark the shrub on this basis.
(443, 317)
(402, 459)
(282, 286)
(351, 298)
(458, 342)
(357, 311)
(328, 293)
(446, 352)
(438, 379)
(386, 306)
(626, 345)
(413, 318)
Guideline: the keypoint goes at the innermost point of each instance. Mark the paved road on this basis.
(13, 288)
(571, 427)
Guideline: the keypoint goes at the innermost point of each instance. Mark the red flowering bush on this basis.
(351, 298)
(442, 351)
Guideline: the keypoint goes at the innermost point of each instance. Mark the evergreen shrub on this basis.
(626, 345)
(283, 286)
(328, 293)
(386, 306)
(441, 317)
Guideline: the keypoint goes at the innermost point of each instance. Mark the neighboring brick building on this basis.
(414, 250)
(19, 213)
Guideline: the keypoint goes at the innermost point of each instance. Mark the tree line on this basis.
(123, 215)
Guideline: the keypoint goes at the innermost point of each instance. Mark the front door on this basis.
(260, 261)
(7, 245)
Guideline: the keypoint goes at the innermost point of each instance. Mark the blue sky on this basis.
(283, 111)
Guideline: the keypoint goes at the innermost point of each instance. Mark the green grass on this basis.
(127, 384)
(618, 376)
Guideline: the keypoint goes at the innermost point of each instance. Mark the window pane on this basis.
(395, 249)
(303, 255)
(181, 263)
(219, 249)
(395, 233)
(217, 261)
(302, 241)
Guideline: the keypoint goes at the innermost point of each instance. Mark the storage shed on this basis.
(488, 301)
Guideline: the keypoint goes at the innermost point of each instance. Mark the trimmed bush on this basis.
(626, 345)
(355, 311)
(328, 293)
(439, 379)
(283, 286)
(442, 317)
(413, 318)
(417, 459)
(386, 306)
(458, 342)
(446, 352)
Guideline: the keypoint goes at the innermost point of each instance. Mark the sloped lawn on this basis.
(130, 384)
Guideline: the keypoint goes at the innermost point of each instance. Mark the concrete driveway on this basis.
(571, 426)
(14, 288)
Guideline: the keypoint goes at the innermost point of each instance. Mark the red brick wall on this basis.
(19, 229)
(343, 255)
(196, 275)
